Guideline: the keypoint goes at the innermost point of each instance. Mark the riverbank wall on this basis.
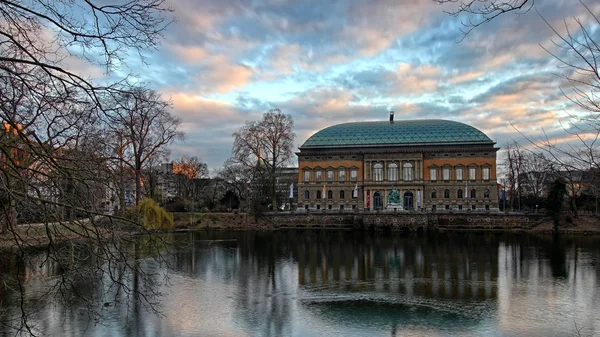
(388, 221)
(406, 221)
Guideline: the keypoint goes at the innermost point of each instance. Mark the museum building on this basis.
(427, 164)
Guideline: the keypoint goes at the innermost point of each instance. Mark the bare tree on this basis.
(52, 169)
(578, 50)
(186, 171)
(265, 146)
(144, 126)
(237, 177)
(514, 170)
(481, 12)
(537, 172)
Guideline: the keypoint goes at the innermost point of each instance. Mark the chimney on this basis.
(391, 117)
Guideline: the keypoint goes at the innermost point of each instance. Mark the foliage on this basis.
(152, 216)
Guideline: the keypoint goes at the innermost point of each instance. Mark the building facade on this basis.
(424, 165)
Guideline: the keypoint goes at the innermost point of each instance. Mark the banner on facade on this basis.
(368, 199)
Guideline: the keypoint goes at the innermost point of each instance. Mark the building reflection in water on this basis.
(463, 267)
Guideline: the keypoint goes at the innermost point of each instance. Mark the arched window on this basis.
(447, 194)
(377, 172)
(433, 194)
(330, 194)
(459, 193)
(486, 193)
(473, 194)
(342, 195)
(393, 172)
(318, 175)
(318, 195)
(306, 175)
(408, 172)
(306, 195)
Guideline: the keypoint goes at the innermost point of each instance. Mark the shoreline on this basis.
(583, 225)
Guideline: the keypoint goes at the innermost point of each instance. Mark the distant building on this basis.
(285, 177)
(166, 181)
(427, 165)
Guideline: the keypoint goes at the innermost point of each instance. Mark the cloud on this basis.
(328, 62)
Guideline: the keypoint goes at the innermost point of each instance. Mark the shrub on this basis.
(152, 216)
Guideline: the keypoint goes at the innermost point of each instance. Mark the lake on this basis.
(343, 283)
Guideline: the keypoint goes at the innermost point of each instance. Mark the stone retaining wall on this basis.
(404, 221)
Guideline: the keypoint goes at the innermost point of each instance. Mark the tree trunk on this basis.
(574, 206)
(8, 220)
(273, 190)
(138, 186)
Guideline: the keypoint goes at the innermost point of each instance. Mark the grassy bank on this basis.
(218, 221)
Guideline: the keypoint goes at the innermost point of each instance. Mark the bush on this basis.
(152, 216)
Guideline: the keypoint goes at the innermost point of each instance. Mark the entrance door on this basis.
(408, 201)
(377, 202)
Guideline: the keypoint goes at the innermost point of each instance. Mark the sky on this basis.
(224, 62)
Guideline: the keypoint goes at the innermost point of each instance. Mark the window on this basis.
(318, 175)
(342, 194)
(446, 173)
(487, 207)
(473, 207)
(433, 174)
(408, 171)
(392, 172)
(306, 195)
(459, 194)
(473, 194)
(306, 207)
(447, 194)
(459, 207)
(472, 173)
(318, 206)
(330, 194)
(330, 175)
(318, 195)
(433, 194)
(378, 172)
(342, 174)
(433, 208)
(341, 207)
(329, 206)
(353, 174)
(486, 193)
(459, 174)
(486, 173)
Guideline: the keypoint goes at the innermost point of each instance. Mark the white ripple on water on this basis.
(337, 293)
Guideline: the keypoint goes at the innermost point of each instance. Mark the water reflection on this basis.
(319, 283)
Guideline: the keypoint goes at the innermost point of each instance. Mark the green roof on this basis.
(403, 132)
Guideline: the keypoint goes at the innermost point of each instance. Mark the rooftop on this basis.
(402, 132)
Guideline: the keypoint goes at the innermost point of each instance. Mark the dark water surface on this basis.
(329, 283)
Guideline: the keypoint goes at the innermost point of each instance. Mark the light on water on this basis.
(320, 283)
